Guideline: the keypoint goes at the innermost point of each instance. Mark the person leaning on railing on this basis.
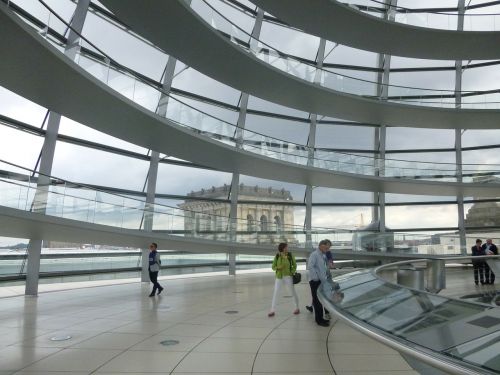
(489, 248)
(478, 264)
(318, 274)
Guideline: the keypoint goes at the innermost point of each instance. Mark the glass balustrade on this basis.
(332, 80)
(452, 331)
(480, 19)
(74, 201)
(151, 97)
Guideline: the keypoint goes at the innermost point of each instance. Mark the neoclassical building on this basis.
(268, 222)
(483, 214)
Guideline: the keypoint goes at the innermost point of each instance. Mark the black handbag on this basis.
(297, 277)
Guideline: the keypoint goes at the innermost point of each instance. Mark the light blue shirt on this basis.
(317, 266)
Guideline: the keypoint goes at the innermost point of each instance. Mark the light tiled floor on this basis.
(118, 329)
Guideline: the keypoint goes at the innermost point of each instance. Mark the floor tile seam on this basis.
(331, 332)
(109, 360)
(209, 336)
(264, 340)
(54, 346)
(38, 360)
(120, 353)
(119, 333)
(378, 354)
(205, 313)
(193, 279)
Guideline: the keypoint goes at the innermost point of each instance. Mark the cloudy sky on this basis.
(81, 164)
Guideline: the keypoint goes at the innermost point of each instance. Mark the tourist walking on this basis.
(284, 265)
(154, 268)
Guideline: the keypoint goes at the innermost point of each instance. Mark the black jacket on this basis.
(493, 248)
(477, 252)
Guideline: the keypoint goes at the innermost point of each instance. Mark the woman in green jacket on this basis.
(285, 266)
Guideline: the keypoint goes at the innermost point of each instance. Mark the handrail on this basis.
(361, 164)
(464, 258)
(95, 209)
(306, 147)
(381, 165)
(431, 11)
(401, 334)
(321, 69)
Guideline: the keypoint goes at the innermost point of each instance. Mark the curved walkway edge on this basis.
(31, 67)
(340, 23)
(177, 29)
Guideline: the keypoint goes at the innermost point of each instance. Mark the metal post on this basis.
(233, 221)
(47, 157)
(149, 210)
(240, 126)
(380, 135)
(436, 275)
(458, 137)
(311, 143)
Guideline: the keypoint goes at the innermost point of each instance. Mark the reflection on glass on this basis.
(419, 319)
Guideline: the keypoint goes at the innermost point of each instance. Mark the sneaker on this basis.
(152, 294)
(327, 316)
(324, 323)
(309, 308)
(271, 314)
(296, 312)
(160, 290)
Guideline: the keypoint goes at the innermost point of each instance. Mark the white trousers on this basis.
(287, 280)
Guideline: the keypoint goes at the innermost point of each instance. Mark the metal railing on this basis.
(410, 320)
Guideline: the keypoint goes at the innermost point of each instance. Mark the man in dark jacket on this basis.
(478, 265)
(154, 268)
(489, 248)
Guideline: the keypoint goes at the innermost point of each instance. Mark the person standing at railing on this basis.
(154, 268)
(330, 265)
(477, 250)
(284, 265)
(489, 248)
(318, 274)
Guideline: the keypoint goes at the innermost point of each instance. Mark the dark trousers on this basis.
(488, 274)
(479, 272)
(153, 276)
(318, 307)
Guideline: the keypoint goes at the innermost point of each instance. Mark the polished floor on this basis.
(215, 324)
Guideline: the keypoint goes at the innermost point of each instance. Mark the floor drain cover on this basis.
(169, 342)
(231, 312)
(60, 338)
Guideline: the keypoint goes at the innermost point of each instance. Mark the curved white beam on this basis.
(22, 224)
(177, 29)
(31, 67)
(340, 23)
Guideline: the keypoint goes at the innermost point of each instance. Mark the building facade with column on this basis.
(265, 220)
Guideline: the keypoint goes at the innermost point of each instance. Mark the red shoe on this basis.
(271, 314)
(296, 312)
